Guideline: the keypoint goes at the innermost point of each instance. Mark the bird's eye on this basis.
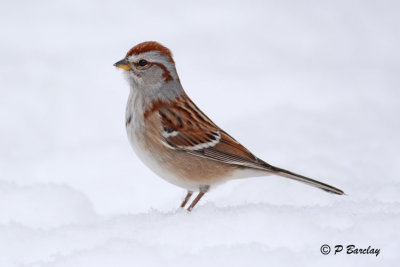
(142, 62)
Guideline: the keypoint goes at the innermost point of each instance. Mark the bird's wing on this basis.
(185, 127)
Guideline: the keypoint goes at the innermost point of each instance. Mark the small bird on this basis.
(175, 139)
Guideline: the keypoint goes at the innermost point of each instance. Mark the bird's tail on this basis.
(303, 179)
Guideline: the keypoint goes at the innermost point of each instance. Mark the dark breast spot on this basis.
(128, 120)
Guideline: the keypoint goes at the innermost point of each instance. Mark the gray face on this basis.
(152, 69)
(153, 76)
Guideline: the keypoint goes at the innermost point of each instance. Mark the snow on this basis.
(309, 86)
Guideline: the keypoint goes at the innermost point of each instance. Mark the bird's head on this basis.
(149, 65)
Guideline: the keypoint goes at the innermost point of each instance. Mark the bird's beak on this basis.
(123, 64)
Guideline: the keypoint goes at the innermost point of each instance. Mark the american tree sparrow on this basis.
(175, 139)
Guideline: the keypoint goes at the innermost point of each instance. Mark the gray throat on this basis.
(142, 97)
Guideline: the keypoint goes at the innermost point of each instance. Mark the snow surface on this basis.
(312, 86)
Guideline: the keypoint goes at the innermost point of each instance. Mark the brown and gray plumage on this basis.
(175, 139)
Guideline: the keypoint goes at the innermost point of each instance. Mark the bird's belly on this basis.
(155, 161)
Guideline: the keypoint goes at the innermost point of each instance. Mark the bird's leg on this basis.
(203, 190)
(188, 196)
(200, 195)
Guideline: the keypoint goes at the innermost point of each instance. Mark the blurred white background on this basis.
(311, 86)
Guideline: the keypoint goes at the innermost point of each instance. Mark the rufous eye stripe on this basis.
(166, 74)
